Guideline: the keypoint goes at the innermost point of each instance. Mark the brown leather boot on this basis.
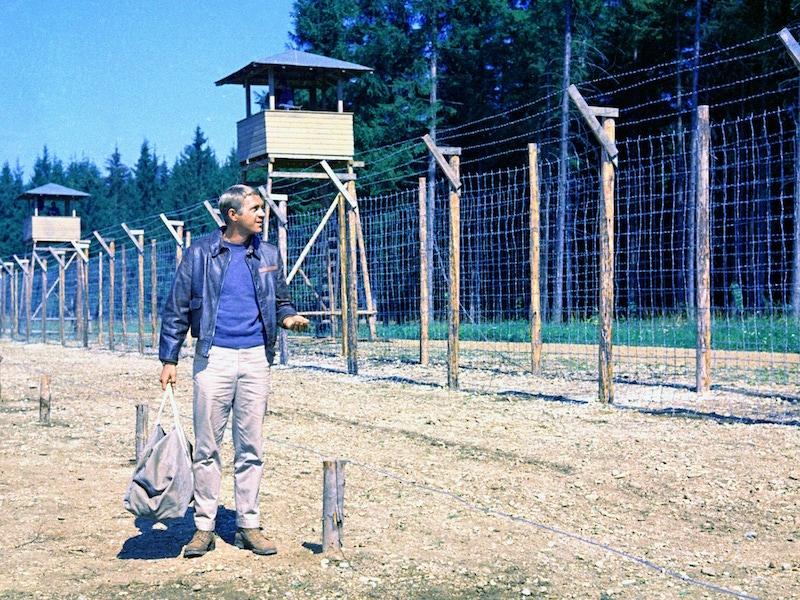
(202, 542)
(253, 539)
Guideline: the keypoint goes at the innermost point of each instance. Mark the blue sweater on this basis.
(238, 320)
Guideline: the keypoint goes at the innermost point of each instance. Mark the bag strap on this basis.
(168, 393)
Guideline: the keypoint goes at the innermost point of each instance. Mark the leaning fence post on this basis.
(332, 504)
(44, 399)
(142, 411)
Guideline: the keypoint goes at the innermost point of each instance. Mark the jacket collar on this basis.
(217, 245)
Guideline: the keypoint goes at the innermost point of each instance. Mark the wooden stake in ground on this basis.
(44, 399)
(142, 411)
(332, 504)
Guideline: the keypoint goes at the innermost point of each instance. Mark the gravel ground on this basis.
(448, 494)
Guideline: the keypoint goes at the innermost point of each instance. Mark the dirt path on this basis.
(578, 500)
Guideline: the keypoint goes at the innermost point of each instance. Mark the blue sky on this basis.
(83, 76)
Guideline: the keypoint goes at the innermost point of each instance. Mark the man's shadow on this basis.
(168, 542)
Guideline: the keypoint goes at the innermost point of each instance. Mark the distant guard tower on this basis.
(53, 228)
(303, 132)
(51, 216)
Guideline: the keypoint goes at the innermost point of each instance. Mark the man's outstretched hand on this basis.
(295, 323)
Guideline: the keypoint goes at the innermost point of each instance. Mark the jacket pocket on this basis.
(195, 312)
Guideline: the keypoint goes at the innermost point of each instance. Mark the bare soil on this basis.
(448, 495)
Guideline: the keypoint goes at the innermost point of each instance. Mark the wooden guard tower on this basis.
(303, 132)
(52, 218)
(287, 131)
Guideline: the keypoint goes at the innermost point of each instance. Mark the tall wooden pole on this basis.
(343, 295)
(62, 334)
(83, 274)
(605, 362)
(43, 264)
(536, 303)
(703, 229)
(283, 249)
(424, 298)
(111, 293)
(352, 285)
(454, 314)
(154, 292)
(100, 299)
(124, 295)
(28, 299)
(140, 264)
(79, 300)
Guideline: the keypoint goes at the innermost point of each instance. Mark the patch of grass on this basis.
(756, 333)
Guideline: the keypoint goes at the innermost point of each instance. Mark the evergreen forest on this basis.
(445, 67)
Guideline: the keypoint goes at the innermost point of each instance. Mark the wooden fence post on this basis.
(332, 504)
(154, 292)
(452, 170)
(536, 302)
(124, 295)
(82, 250)
(27, 283)
(605, 358)
(142, 411)
(44, 399)
(108, 246)
(99, 298)
(137, 237)
(140, 262)
(283, 249)
(43, 316)
(703, 142)
(352, 284)
(424, 298)
(454, 320)
(343, 255)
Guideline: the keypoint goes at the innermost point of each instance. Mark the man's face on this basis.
(251, 219)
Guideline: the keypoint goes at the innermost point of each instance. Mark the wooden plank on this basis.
(703, 252)
(452, 177)
(173, 227)
(339, 186)
(597, 129)
(311, 240)
(791, 45)
(311, 174)
(535, 282)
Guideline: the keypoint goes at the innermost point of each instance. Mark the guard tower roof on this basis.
(295, 67)
(52, 191)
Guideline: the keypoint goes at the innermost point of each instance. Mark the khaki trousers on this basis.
(229, 381)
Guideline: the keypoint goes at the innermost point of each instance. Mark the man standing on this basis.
(230, 290)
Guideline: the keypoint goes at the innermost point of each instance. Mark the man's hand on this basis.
(169, 374)
(295, 323)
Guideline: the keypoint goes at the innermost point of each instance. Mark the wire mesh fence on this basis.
(114, 297)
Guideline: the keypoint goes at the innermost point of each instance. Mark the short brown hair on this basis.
(233, 198)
